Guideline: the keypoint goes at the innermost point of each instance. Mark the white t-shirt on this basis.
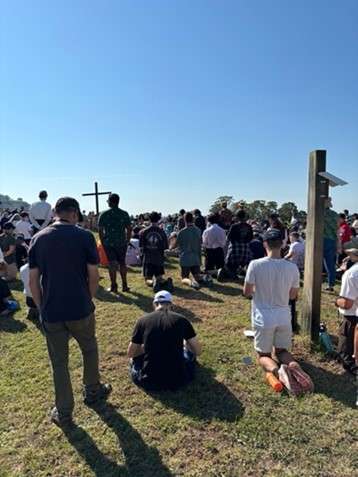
(23, 227)
(297, 249)
(349, 289)
(25, 278)
(273, 280)
(1, 256)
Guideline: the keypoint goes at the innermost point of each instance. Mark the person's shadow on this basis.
(204, 398)
(339, 387)
(140, 460)
(8, 324)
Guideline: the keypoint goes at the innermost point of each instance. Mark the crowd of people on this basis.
(57, 258)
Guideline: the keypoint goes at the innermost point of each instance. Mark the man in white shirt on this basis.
(271, 281)
(214, 242)
(40, 212)
(347, 303)
(23, 227)
(296, 252)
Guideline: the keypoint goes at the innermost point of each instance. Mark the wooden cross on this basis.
(96, 194)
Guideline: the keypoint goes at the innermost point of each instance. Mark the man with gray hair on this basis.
(163, 347)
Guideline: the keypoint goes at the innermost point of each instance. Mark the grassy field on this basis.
(228, 422)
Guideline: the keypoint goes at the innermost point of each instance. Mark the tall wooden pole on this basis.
(317, 192)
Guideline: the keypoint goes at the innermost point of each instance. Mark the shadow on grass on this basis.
(192, 294)
(339, 387)
(189, 315)
(204, 398)
(219, 288)
(140, 460)
(8, 324)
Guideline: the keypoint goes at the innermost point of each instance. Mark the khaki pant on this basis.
(57, 337)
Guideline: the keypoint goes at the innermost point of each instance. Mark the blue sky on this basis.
(173, 103)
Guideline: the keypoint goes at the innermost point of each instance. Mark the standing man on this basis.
(63, 280)
(347, 303)
(115, 232)
(330, 242)
(225, 216)
(189, 244)
(23, 227)
(40, 213)
(214, 242)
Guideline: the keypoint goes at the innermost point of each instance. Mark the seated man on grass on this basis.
(271, 281)
(163, 348)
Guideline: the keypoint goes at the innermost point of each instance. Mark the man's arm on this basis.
(48, 218)
(101, 234)
(344, 303)
(135, 350)
(356, 345)
(248, 290)
(93, 278)
(35, 286)
(128, 233)
(193, 345)
(11, 250)
(294, 293)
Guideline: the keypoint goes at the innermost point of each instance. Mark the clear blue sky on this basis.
(172, 103)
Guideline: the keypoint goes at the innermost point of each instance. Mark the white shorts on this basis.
(267, 338)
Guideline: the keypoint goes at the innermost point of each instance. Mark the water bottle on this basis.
(325, 339)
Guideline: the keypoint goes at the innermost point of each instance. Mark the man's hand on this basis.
(93, 279)
(35, 286)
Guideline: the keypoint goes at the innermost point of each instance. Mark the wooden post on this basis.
(317, 192)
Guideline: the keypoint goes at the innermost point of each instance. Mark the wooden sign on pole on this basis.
(96, 194)
(317, 193)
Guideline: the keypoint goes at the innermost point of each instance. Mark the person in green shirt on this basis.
(330, 243)
(189, 244)
(115, 233)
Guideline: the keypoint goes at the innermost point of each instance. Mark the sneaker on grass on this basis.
(92, 395)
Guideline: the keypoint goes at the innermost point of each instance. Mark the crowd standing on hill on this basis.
(56, 255)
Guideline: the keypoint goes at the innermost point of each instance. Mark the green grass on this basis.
(228, 422)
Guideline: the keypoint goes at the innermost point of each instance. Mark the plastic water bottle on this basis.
(325, 339)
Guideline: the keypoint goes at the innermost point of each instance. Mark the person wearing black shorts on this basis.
(115, 233)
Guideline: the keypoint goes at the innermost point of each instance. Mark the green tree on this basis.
(287, 211)
(218, 204)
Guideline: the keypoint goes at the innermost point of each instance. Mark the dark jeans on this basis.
(214, 258)
(329, 260)
(57, 336)
(346, 340)
(136, 365)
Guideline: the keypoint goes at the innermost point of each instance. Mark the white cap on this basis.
(163, 296)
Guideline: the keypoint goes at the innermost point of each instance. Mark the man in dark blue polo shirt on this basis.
(63, 280)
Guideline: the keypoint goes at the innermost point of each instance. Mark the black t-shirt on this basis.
(162, 333)
(153, 241)
(241, 233)
(61, 252)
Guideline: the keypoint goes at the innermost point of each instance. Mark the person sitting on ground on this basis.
(115, 232)
(271, 281)
(199, 220)
(296, 252)
(189, 244)
(153, 242)
(239, 252)
(24, 227)
(347, 303)
(40, 213)
(5, 296)
(256, 247)
(214, 242)
(8, 247)
(163, 348)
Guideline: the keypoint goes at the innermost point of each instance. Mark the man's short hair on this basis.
(43, 194)
(342, 216)
(213, 219)
(241, 214)
(181, 211)
(295, 235)
(274, 244)
(154, 217)
(224, 205)
(24, 214)
(188, 217)
(113, 199)
(68, 204)
(197, 212)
